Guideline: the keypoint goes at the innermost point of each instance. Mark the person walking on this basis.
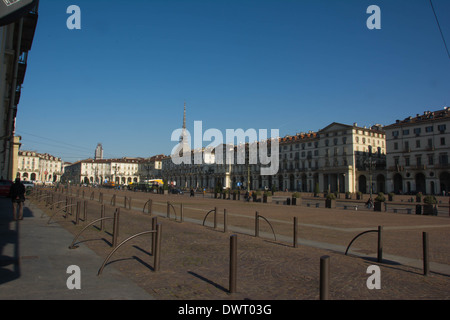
(17, 195)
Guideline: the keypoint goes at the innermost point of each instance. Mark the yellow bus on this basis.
(156, 182)
(146, 185)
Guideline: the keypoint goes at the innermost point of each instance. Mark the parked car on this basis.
(177, 191)
(5, 185)
(28, 184)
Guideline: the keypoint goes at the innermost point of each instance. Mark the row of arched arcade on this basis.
(426, 183)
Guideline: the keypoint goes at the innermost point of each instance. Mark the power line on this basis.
(65, 144)
(440, 30)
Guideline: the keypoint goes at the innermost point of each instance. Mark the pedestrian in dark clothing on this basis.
(17, 195)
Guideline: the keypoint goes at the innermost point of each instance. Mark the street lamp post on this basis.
(370, 163)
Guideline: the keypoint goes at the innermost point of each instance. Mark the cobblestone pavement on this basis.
(195, 258)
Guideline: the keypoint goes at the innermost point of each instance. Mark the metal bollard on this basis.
(233, 264)
(168, 209)
(116, 227)
(157, 256)
(295, 232)
(324, 277)
(181, 212)
(150, 207)
(77, 214)
(257, 224)
(154, 224)
(102, 215)
(380, 244)
(85, 211)
(225, 221)
(215, 218)
(426, 264)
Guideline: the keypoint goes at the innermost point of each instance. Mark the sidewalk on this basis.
(34, 258)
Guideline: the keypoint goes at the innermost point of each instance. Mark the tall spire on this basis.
(183, 136)
(184, 116)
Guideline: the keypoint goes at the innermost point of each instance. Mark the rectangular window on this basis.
(405, 132)
(443, 159)
(417, 131)
(429, 129)
(419, 161)
(442, 141)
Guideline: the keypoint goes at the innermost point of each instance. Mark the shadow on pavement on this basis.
(9, 243)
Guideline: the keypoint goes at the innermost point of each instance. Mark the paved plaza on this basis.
(195, 250)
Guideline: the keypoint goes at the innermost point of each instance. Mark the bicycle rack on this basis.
(380, 247)
(127, 200)
(257, 216)
(53, 204)
(72, 246)
(70, 205)
(42, 197)
(168, 210)
(206, 216)
(150, 203)
(113, 200)
(156, 254)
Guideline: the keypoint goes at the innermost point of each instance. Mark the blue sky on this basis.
(291, 65)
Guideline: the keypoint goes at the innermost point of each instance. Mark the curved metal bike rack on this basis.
(156, 253)
(72, 246)
(206, 216)
(44, 196)
(168, 210)
(358, 237)
(270, 225)
(145, 204)
(53, 204)
(380, 243)
(70, 205)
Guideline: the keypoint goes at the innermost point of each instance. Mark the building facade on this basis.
(417, 153)
(90, 171)
(150, 168)
(15, 42)
(339, 158)
(38, 167)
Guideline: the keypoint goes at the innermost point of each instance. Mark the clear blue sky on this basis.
(291, 65)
